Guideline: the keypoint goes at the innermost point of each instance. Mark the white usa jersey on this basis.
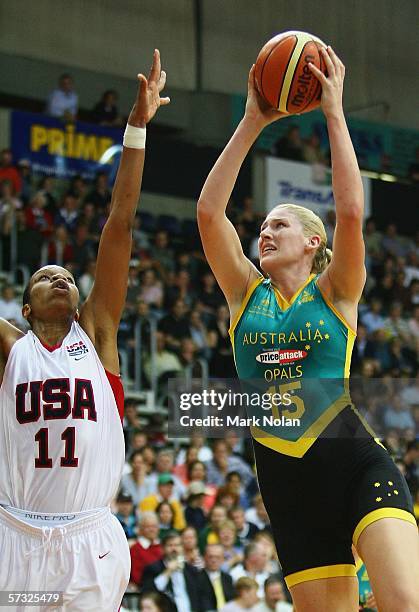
(61, 439)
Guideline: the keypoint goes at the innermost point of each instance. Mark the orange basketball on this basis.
(282, 75)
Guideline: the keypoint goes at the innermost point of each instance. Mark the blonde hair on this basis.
(312, 224)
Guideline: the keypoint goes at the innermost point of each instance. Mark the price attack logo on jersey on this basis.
(284, 356)
(78, 350)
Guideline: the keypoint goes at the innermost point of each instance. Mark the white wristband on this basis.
(134, 137)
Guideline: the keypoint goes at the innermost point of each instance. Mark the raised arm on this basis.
(344, 278)
(233, 271)
(101, 313)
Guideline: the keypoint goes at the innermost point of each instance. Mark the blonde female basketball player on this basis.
(309, 303)
(61, 440)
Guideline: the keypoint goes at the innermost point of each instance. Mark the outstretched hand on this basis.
(256, 108)
(332, 84)
(148, 95)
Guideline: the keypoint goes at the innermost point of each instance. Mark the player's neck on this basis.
(51, 333)
(290, 279)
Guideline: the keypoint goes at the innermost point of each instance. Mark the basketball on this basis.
(282, 74)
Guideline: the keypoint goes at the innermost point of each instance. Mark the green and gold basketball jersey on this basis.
(291, 346)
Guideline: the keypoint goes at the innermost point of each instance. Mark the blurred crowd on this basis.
(199, 534)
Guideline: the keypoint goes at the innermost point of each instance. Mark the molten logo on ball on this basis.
(304, 81)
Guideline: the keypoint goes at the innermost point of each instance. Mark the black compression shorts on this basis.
(319, 504)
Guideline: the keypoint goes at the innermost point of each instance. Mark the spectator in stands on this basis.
(151, 291)
(47, 189)
(413, 326)
(246, 596)
(9, 308)
(392, 242)
(105, 111)
(198, 441)
(384, 290)
(173, 577)
(290, 146)
(165, 493)
(253, 566)
(274, 597)
(25, 171)
(395, 325)
(233, 550)
(402, 362)
(153, 601)
(134, 483)
(372, 319)
(265, 539)
(234, 484)
(358, 351)
(209, 535)
(126, 515)
(9, 172)
(100, 196)
(312, 152)
(166, 517)
(222, 463)
(183, 289)
(227, 498)
(29, 243)
(210, 295)
(215, 585)
(68, 214)
(78, 189)
(175, 325)
(377, 349)
(397, 415)
(63, 101)
(147, 549)
(246, 530)
(88, 216)
(165, 465)
(166, 364)
(59, 249)
(194, 509)
(191, 552)
(257, 514)
(372, 239)
(9, 205)
(181, 469)
(86, 280)
(163, 255)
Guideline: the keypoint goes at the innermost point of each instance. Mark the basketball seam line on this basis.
(285, 72)
(296, 65)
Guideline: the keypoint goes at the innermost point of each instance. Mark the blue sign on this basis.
(64, 150)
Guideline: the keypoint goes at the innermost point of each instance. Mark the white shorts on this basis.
(88, 560)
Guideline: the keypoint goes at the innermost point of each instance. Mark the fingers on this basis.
(318, 73)
(331, 71)
(162, 80)
(156, 67)
(142, 83)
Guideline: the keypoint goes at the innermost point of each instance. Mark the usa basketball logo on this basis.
(78, 350)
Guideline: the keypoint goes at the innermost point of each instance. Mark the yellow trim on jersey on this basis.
(318, 573)
(302, 39)
(336, 311)
(243, 305)
(378, 514)
(358, 564)
(298, 448)
(349, 348)
(283, 303)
